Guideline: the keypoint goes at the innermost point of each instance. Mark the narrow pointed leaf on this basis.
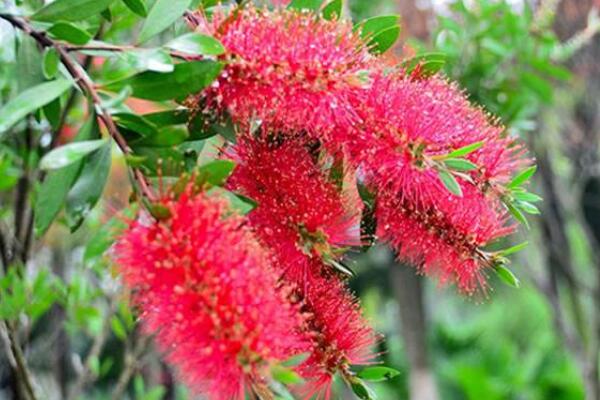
(162, 14)
(463, 151)
(450, 182)
(507, 276)
(460, 164)
(378, 373)
(195, 43)
(69, 153)
(71, 10)
(522, 177)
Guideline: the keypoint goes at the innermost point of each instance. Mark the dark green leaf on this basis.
(513, 249)
(169, 117)
(305, 5)
(71, 10)
(89, 186)
(384, 39)
(378, 374)
(463, 151)
(165, 137)
(69, 153)
(515, 212)
(459, 164)
(118, 328)
(216, 172)
(522, 177)
(137, 6)
(29, 101)
(51, 195)
(52, 112)
(187, 78)
(160, 211)
(361, 390)
(332, 10)
(51, 61)
(507, 276)
(135, 123)
(162, 14)
(69, 32)
(541, 87)
(195, 43)
(450, 182)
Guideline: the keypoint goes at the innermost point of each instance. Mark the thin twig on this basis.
(20, 369)
(118, 49)
(86, 85)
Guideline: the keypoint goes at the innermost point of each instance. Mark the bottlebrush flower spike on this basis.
(299, 211)
(206, 288)
(413, 125)
(299, 207)
(290, 70)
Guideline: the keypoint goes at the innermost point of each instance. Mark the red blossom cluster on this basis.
(318, 115)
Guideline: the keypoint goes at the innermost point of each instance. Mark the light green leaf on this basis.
(459, 164)
(69, 153)
(284, 375)
(372, 26)
(305, 5)
(527, 207)
(378, 373)
(162, 14)
(51, 195)
(450, 182)
(70, 10)
(50, 63)
(513, 249)
(29, 101)
(186, 78)
(428, 63)
(332, 10)
(295, 360)
(215, 172)
(69, 32)
(515, 212)
(137, 6)
(463, 151)
(195, 43)
(507, 276)
(522, 177)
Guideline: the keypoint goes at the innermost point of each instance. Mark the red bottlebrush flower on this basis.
(301, 216)
(413, 123)
(299, 211)
(340, 335)
(290, 70)
(206, 288)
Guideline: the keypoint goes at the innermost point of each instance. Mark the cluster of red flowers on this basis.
(318, 115)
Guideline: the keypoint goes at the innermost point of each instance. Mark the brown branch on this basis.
(118, 49)
(87, 86)
(17, 360)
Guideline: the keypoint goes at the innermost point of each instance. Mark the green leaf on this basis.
(186, 78)
(527, 207)
(378, 374)
(89, 186)
(169, 117)
(295, 360)
(71, 10)
(285, 375)
(459, 164)
(450, 182)
(526, 196)
(158, 60)
(384, 40)
(305, 5)
(238, 203)
(162, 14)
(507, 276)
(332, 10)
(136, 123)
(463, 151)
(50, 63)
(29, 101)
(361, 390)
(522, 177)
(428, 63)
(118, 328)
(515, 212)
(195, 43)
(160, 211)
(52, 112)
(69, 153)
(513, 249)
(138, 7)
(216, 172)
(69, 32)
(51, 195)
(372, 26)
(165, 137)
(340, 267)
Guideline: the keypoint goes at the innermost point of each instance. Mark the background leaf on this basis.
(162, 14)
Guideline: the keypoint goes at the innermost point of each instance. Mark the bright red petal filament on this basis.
(206, 288)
